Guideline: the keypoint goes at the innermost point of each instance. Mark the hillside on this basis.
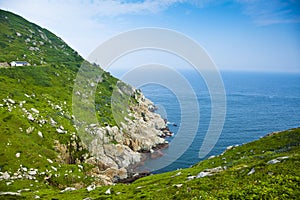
(39, 141)
(264, 169)
(22, 40)
(43, 156)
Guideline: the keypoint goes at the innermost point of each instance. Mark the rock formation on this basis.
(117, 150)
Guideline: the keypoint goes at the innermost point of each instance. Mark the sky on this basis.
(251, 35)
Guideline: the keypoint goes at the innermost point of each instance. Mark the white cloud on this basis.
(82, 23)
(264, 12)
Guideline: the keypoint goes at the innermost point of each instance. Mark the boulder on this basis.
(90, 188)
(5, 176)
(277, 160)
(203, 174)
(11, 101)
(191, 177)
(29, 130)
(32, 172)
(58, 130)
(40, 134)
(68, 189)
(178, 185)
(10, 194)
(215, 170)
(30, 117)
(108, 191)
(252, 171)
(274, 161)
(35, 110)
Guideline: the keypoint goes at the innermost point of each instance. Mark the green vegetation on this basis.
(25, 41)
(269, 181)
(39, 143)
(36, 122)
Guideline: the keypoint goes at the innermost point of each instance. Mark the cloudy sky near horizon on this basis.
(238, 34)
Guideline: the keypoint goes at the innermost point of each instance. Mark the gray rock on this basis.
(29, 130)
(229, 147)
(277, 160)
(52, 122)
(203, 174)
(274, 161)
(35, 110)
(58, 130)
(108, 191)
(191, 177)
(10, 194)
(90, 188)
(178, 185)
(32, 172)
(215, 170)
(54, 168)
(68, 189)
(30, 117)
(252, 171)
(23, 169)
(5, 176)
(23, 190)
(40, 134)
(178, 174)
(11, 101)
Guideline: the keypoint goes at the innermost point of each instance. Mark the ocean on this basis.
(256, 104)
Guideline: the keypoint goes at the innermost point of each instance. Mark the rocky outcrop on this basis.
(207, 172)
(115, 151)
(118, 150)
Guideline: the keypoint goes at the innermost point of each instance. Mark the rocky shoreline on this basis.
(118, 151)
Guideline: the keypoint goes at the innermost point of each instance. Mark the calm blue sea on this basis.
(257, 104)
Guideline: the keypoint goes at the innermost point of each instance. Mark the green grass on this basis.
(270, 181)
(13, 47)
(47, 85)
(46, 90)
(50, 84)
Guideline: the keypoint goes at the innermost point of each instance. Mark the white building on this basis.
(19, 63)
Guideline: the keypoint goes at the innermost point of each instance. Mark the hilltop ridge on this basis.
(23, 40)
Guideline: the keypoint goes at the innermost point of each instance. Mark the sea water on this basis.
(256, 104)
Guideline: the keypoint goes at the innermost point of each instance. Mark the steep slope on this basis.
(264, 169)
(22, 40)
(39, 143)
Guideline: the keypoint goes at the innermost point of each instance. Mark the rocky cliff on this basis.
(117, 151)
(37, 120)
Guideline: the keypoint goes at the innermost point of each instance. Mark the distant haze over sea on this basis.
(257, 103)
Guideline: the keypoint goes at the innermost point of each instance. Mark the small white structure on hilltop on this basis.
(19, 63)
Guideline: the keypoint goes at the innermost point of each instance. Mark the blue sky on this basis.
(238, 35)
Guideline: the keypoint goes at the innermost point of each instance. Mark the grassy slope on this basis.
(51, 49)
(53, 82)
(270, 181)
(47, 86)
